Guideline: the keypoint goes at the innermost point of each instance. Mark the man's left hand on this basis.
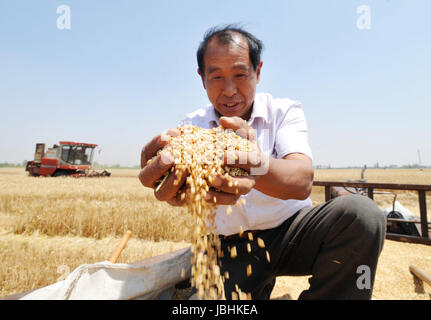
(227, 191)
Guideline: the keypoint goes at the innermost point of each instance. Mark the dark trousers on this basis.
(338, 243)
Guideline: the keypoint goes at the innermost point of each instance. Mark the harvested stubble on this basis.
(200, 152)
(115, 204)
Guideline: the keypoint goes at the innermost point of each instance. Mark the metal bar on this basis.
(423, 211)
(371, 193)
(389, 186)
(407, 221)
(409, 239)
(327, 193)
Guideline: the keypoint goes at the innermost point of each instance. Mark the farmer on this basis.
(338, 242)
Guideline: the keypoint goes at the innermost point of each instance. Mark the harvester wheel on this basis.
(60, 173)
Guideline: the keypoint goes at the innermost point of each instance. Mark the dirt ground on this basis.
(393, 279)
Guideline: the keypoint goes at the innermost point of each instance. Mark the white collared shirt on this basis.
(281, 129)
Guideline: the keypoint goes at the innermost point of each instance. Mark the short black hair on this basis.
(224, 35)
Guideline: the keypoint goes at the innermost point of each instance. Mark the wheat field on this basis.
(50, 226)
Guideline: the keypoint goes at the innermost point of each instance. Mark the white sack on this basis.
(146, 279)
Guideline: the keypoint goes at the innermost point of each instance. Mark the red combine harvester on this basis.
(67, 159)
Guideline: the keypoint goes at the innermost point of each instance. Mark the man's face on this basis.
(229, 77)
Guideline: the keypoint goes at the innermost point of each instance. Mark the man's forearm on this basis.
(286, 179)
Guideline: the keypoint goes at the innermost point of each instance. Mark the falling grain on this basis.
(260, 243)
(249, 270)
(233, 253)
(200, 153)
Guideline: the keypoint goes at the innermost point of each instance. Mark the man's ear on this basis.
(202, 78)
(258, 71)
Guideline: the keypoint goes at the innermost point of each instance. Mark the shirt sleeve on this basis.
(292, 133)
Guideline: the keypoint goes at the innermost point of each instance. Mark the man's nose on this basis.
(229, 88)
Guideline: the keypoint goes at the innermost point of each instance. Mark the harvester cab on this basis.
(66, 158)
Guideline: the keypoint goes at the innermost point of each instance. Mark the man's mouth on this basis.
(231, 105)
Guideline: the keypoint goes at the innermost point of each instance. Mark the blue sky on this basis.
(126, 71)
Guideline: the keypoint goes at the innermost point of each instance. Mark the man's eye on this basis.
(241, 75)
(217, 78)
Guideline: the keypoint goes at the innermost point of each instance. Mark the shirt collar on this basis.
(259, 111)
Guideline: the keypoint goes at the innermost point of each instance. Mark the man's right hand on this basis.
(161, 164)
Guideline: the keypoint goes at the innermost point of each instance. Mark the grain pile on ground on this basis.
(200, 153)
